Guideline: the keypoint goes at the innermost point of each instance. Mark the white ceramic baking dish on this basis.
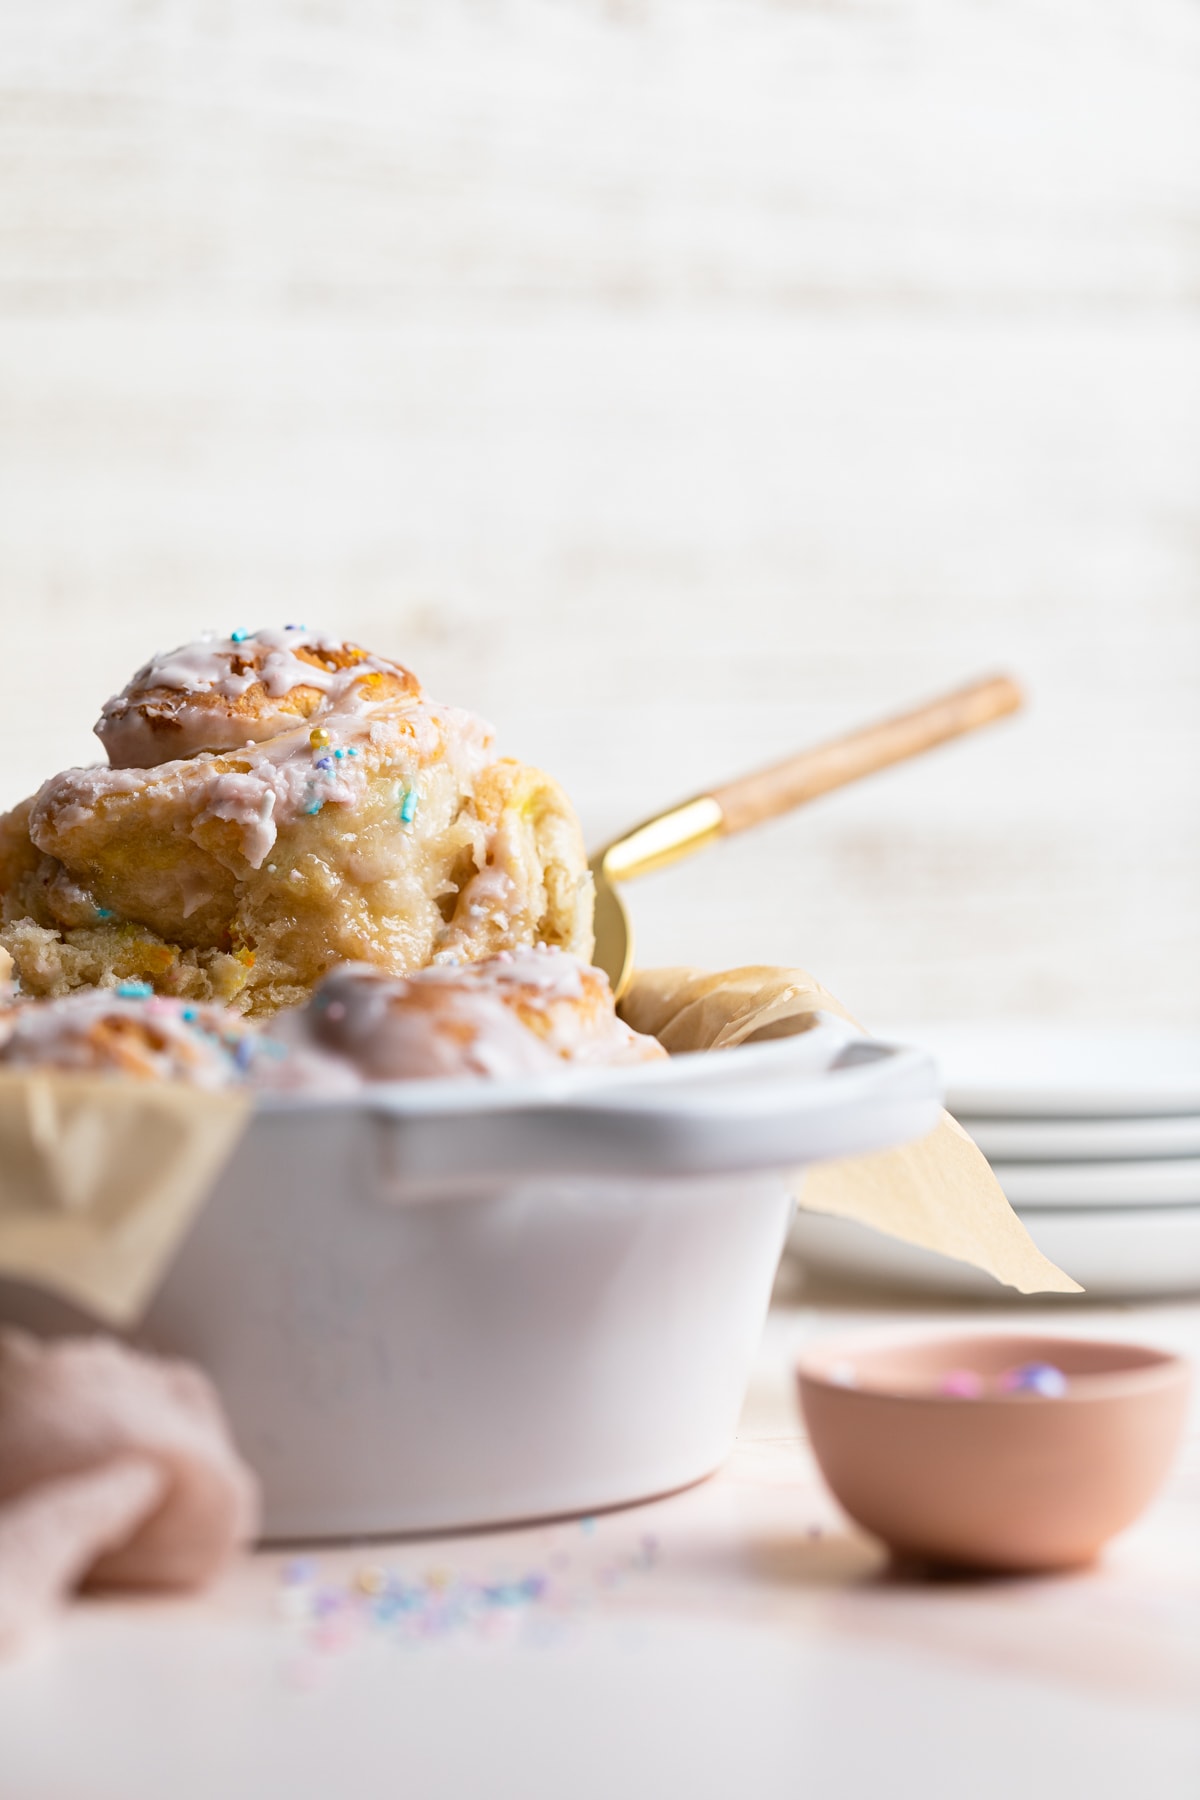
(448, 1304)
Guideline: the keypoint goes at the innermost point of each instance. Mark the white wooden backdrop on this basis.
(675, 382)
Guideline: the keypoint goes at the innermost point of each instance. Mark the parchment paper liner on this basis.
(939, 1193)
(99, 1180)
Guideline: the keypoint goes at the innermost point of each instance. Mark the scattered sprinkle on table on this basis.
(534, 1606)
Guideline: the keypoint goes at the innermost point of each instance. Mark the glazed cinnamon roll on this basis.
(132, 1032)
(274, 803)
(522, 1012)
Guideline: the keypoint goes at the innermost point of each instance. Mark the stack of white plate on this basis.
(1095, 1138)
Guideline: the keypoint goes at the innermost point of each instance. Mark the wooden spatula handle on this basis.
(769, 792)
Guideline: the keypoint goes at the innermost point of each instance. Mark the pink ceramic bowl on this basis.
(1005, 1480)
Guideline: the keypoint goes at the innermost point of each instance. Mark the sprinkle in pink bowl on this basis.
(1004, 1480)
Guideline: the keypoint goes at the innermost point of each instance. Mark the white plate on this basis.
(1046, 1070)
(1084, 1140)
(1034, 1187)
(1114, 1254)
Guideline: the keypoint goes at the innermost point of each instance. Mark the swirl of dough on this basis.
(223, 693)
(522, 1012)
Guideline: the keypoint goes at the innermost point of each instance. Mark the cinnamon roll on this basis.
(132, 1032)
(274, 803)
(521, 1012)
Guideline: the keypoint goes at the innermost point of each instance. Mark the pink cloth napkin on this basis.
(116, 1470)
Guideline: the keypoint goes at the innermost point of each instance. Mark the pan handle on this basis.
(873, 1097)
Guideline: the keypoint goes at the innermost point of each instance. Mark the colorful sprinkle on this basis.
(408, 807)
(318, 737)
(104, 912)
(961, 1384)
(239, 637)
(314, 808)
(533, 1606)
(1035, 1378)
(135, 990)
(323, 762)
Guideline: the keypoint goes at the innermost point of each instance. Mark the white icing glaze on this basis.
(211, 665)
(279, 774)
(539, 973)
(492, 895)
(394, 1030)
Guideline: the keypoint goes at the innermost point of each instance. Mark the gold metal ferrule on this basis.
(663, 840)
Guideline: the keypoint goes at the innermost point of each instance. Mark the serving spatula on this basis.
(765, 794)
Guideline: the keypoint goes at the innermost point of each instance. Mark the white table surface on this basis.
(735, 1638)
